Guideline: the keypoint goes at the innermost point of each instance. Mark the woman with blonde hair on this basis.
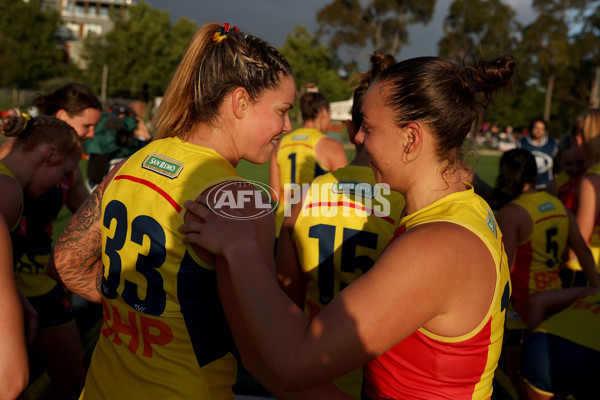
(165, 332)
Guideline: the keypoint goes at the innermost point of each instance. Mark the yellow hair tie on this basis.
(223, 32)
(26, 123)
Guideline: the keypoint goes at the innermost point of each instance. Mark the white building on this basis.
(82, 17)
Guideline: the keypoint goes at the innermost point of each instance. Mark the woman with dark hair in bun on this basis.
(58, 346)
(427, 319)
(45, 150)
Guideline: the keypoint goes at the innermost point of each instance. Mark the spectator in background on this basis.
(304, 154)
(544, 149)
(119, 134)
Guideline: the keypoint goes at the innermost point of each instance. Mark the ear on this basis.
(62, 114)
(240, 101)
(351, 129)
(51, 156)
(413, 137)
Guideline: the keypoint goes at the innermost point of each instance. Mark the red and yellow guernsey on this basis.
(429, 366)
(537, 262)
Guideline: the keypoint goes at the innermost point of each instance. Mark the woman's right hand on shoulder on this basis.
(213, 232)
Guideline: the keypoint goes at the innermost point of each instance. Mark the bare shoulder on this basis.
(591, 180)
(331, 144)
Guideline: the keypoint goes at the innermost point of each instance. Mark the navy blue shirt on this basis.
(544, 153)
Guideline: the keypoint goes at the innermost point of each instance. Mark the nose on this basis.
(287, 124)
(360, 136)
(90, 134)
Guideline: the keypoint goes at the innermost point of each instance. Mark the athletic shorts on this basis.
(553, 365)
(571, 278)
(53, 308)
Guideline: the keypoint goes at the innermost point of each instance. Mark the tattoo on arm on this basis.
(77, 253)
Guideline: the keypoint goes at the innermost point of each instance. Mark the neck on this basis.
(217, 140)
(426, 190)
(22, 165)
(529, 188)
(536, 140)
(312, 124)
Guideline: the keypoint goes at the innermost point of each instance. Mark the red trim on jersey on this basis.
(351, 205)
(519, 276)
(567, 192)
(397, 233)
(296, 144)
(550, 217)
(152, 186)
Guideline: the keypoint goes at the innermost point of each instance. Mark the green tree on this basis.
(29, 51)
(141, 52)
(379, 25)
(474, 24)
(311, 60)
(558, 52)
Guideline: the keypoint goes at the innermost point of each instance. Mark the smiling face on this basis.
(266, 120)
(83, 123)
(380, 137)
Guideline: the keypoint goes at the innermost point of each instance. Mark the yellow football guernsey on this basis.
(297, 161)
(580, 323)
(429, 366)
(537, 261)
(594, 242)
(164, 333)
(345, 223)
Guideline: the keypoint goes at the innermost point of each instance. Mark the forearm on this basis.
(272, 319)
(76, 257)
(252, 360)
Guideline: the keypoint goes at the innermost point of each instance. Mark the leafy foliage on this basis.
(311, 60)
(141, 52)
(379, 25)
(29, 51)
(474, 24)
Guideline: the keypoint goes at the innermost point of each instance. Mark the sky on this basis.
(273, 20)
